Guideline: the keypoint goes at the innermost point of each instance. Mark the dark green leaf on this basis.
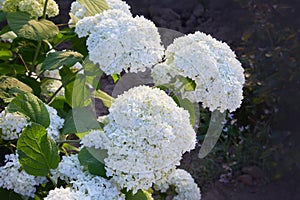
(9, 195)
(94, 6)
(80, 120)
(93, 165)
(32, 107)
(2, 16)
(24, 26)
(34, 84)
(61, 58)
(37, 152)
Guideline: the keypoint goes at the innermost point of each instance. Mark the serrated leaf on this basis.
(32, 107)
(80, 120)
(93, 165)
(106, 99)
(24, 26)
(61, 58)
(37, 152)
(8, 86)
(140, 195)
(94, 6)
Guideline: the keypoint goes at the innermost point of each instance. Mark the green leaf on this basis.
(94, 6)
(61, 58)
(2, 16)
(9, 195)
(80, 92)
(5, 54)
(115, 77)
(140, 195)
(24, 26)
(80, 120)
(8, 86)
(189, 106)
(37, 152)
(32, 107)
(93, 165)
(106, 99)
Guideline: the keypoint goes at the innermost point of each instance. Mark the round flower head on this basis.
(185, 186)
(145, 137)
(211, 64)
(33, 7)
(118, 41)
(65, 194)
(12, 177)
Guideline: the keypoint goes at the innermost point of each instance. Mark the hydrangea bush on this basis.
(56, 147)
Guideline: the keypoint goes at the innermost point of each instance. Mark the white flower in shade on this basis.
(12, 177)
(33, 7)
(12, 124)
(118, 41)
(211, 64)
(145, 138)
(56, 123)
(68, 169)
(185, 186)
(51, 85)
(66, 194)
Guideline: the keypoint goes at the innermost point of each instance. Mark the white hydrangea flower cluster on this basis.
(145, 138)
(12, 124)
(65, 194)
(119, 41)
(211, 64)
(33, 7)
(50, 86)
(13, 177)
(56, 123)
(68, 169)
(185, 186)
(93, 187)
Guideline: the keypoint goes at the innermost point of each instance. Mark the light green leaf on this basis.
(37, 152)
(8, 86)
(94, 6)
(107, 100)
(93, 165)
(81, 93)
(140, 195)
(80, 120)
(24, 26)
(189, 106)
(61, 58)
(32, 107)
(5, 54)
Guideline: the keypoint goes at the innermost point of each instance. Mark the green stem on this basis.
(40, 42)
(52, 180)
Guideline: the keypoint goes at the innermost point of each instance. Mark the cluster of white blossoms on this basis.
(185, 186)
(52, 83)
(33, 7)
(65, 194)
(117, 41)
(12, 124)
(13, 177)
(211, 64)
(82, 183)
(145, 137)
